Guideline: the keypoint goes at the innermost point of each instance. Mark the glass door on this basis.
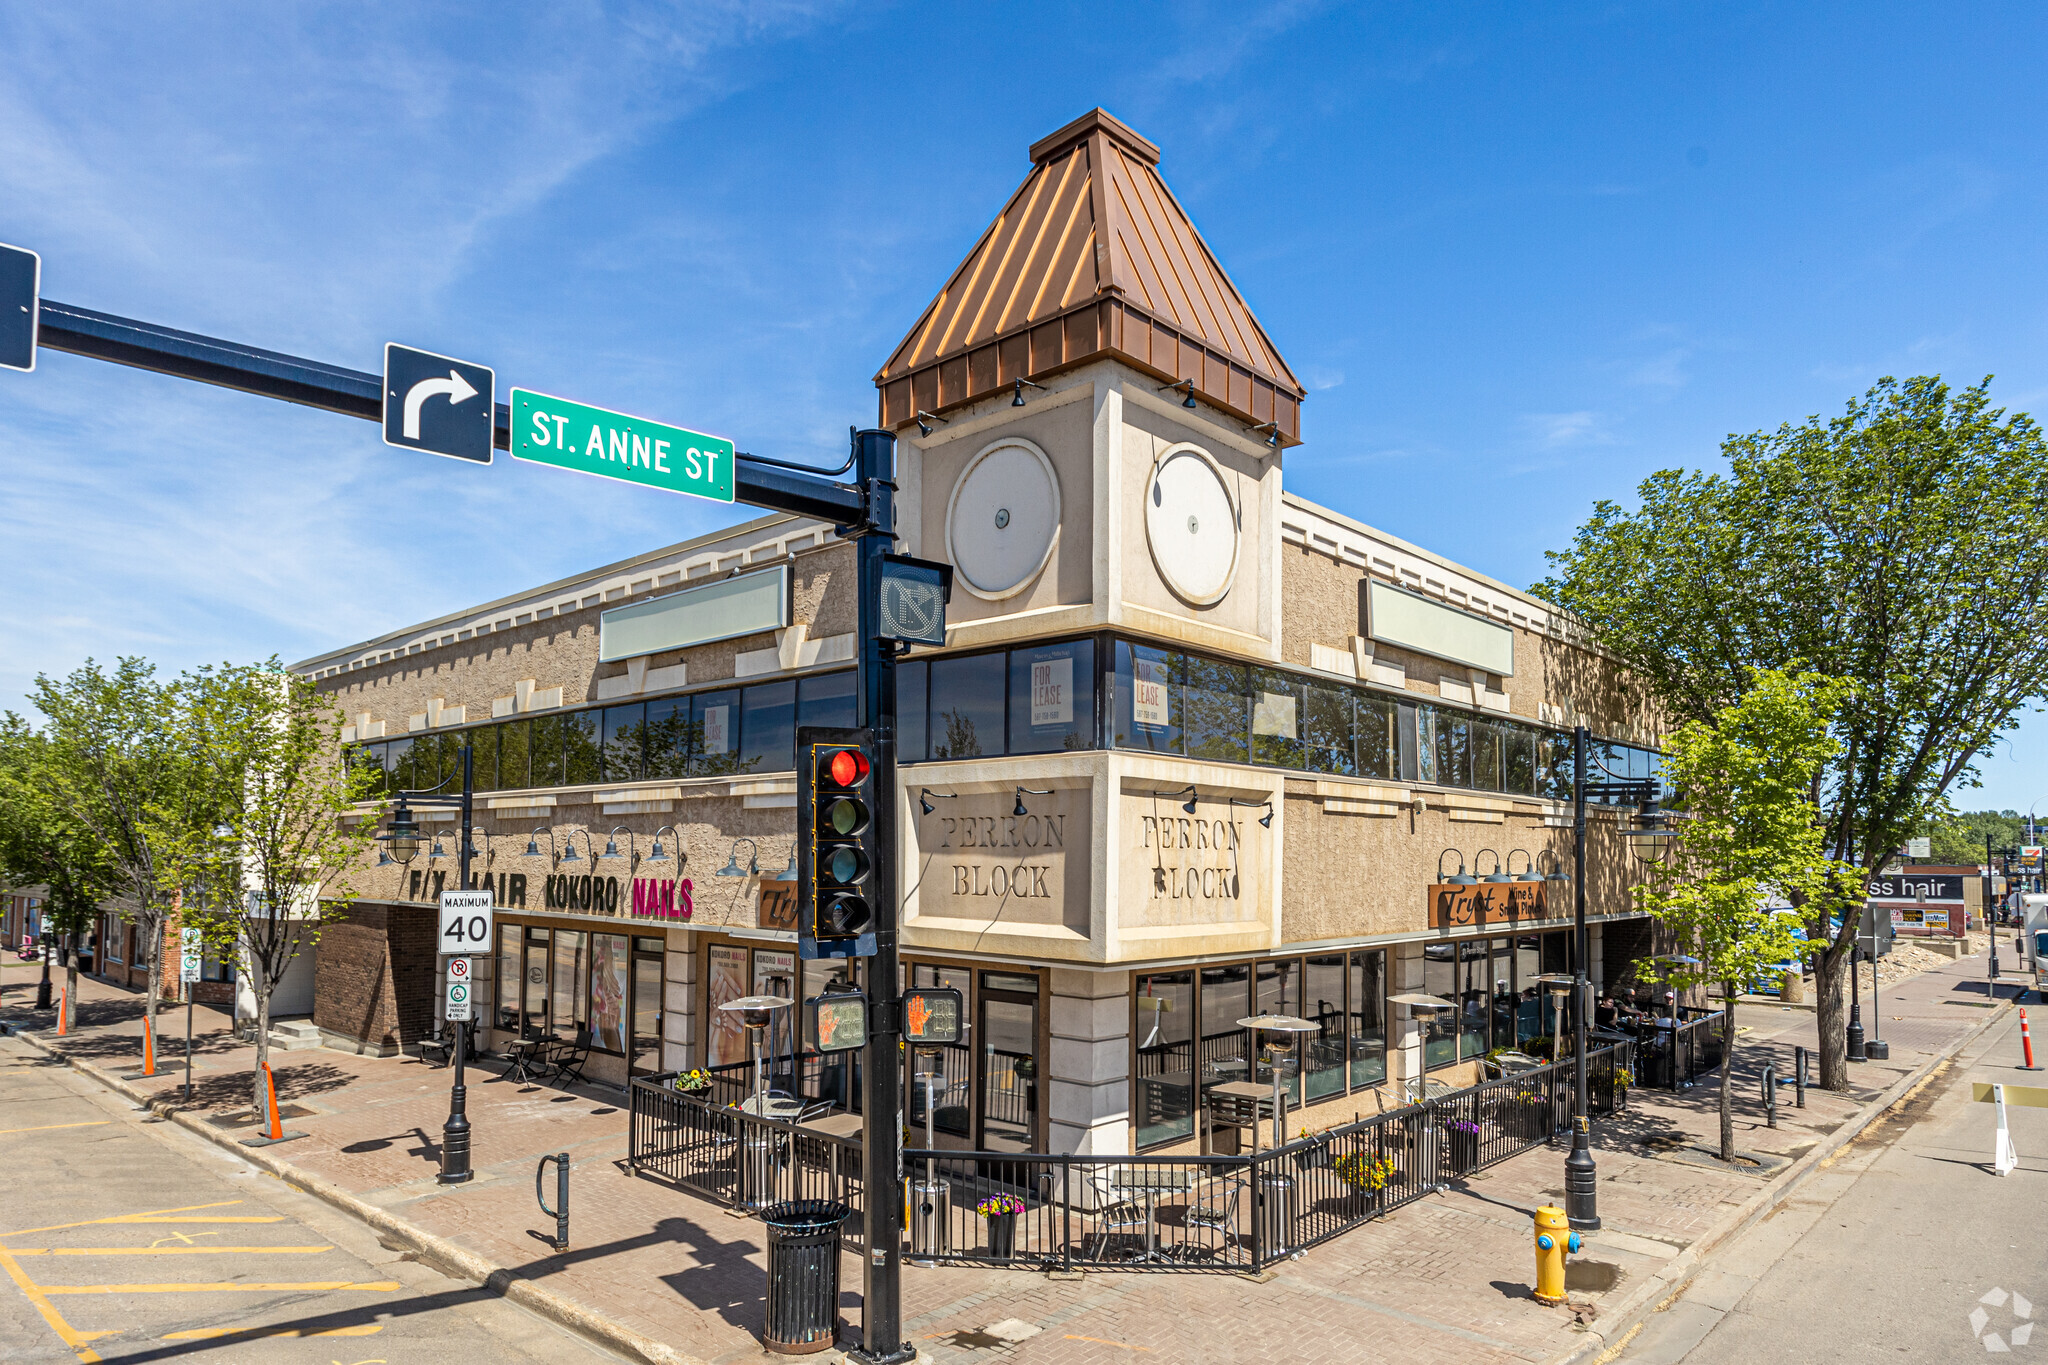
(536, 982)
(1007, 1053)
(647, 954)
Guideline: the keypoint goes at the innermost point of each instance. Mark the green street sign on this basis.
(612, 445)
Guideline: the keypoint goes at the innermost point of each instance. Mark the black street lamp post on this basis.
(1581, 1176)
(43, 986)
(402, 837)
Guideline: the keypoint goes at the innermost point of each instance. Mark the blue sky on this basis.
(1522, 255)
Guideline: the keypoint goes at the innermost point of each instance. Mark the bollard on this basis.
(2027, 1042)
(561, 1212)
(1770, 1094)
(1799, 1077)
(1554, 1238)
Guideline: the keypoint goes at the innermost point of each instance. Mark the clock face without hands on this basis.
(1004, 516)
(1191, 525)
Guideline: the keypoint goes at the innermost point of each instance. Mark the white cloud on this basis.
(1552, 430)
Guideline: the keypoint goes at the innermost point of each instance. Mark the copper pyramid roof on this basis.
(1092, 256)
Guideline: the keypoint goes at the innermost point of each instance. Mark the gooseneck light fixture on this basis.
(1458, 878)
(925, 795)
(1497, 875)
(1266, 820)
(533, 845)
(1018, 401)
(611, 844)
(658, 853)
(1186, 384)
(1022, 792)
(732, 866)
(1528, 872)
(1189, 791)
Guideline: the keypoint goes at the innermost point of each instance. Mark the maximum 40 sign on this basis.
(465, 923)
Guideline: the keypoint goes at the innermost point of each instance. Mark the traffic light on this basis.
(835, 840)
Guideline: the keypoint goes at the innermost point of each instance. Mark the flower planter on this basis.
(1002, 1236)
(1461, 1150)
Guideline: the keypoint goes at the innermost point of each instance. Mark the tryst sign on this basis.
(1465, 907)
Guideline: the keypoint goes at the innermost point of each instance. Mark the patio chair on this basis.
(567, 1060)
(1215, 1208)
(1116, 1213)
(816, 1109)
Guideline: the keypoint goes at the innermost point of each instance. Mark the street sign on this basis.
(1920, 846)
(192, 952)
(456, 1009)
(465, 922)
(458, 969)
(914, 595)
(613, 445)
(21, 275)
(438, 404)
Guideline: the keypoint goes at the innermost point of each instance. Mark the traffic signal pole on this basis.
(874, 462)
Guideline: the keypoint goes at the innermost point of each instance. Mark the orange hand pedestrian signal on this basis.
(931, 1015)
(917, 1013)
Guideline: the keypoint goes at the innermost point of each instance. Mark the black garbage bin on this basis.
(803, 1275)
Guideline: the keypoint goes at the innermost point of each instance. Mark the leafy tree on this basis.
(41, 846)
(267, 869)
(1751, 834)
(116, 768)
(1958, 837)
(1903, 546)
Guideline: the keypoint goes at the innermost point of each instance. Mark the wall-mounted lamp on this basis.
(1459, 878)
(1557, 879)
(1265, 820)
(569, 845)
(1187, 384)
(924, 421)
(658, 852)
(533, 845)
(788, 874)
(1528, 872)
(611, 844)
(1187, 805)
(436, 851)
(1272, 430)
(732, 866)
(925, 795)
(1498, 874)
(1033, 791)
(1018, 401)
(469, 839)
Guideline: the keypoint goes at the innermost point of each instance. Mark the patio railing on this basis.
(1135, 1213)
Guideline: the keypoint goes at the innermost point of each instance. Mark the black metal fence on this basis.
(1135, 1213)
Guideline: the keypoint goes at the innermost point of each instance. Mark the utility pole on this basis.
(1581, 1176)
(1990, 928)
(874, 461)
(455, 1132)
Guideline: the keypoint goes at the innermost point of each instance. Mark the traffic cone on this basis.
(2027, 1042)
(276, 1120)
(148, 1048)
(61, 1014)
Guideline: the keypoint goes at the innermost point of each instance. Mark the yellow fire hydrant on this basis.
(1554, 1238)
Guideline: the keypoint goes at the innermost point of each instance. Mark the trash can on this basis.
(931, 1214)
(803, 1275)
(1276, 1215)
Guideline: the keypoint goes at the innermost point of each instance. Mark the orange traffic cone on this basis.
(62, 1013)
(276, 1119)
(148, 1048)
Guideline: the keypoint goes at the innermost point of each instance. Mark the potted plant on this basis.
(1526, 1113)
(1461, 1137)
(1001, 1211)
(695, 1081)
(1368, 1176)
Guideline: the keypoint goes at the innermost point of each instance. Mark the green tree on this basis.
(117, 769)
(268, 866)
(41, 846)
(1751, 835)
(1957, 837)
(1903, 546)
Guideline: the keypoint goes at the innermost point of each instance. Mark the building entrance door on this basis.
(1006, 1055)
(536, 982)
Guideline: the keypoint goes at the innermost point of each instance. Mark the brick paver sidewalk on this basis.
(1445, 1279)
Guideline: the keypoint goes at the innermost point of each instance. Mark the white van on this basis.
(2030, 912)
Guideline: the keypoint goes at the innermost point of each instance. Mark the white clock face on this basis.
(1004, 517)
(1191, 525)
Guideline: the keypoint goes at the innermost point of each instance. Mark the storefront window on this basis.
(714, 733)
(607, 993)
(1279, 992)
(668, 737)
(570, 1014)
(581, 764)
(967, 706)
(1322, 996)
(1215, 711)
(725, 981)
(545, 751)
(1166, 1070)
(1367, 1003)
(625, 743)
(1440, 1026)
(513, 750)
(768, 728)
(1147, 704)
(1475, 998)
(1226, 998)
(913, 684)
(647, 1004)
(828, 700)
(535, 981)
(1276, 718)
(1326, 730)
(508, 977)
(1052, 698)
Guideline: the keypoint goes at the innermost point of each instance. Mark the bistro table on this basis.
(835, 1125)
(1261, 1098)
(525, 1053)
(1148, 1183)
(778, 1107)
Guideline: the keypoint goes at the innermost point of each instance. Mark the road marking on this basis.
(152, 1216)
(44, 1128)
(227, 1286)
(70, 1335)
(368, 1329)
(165, 1251)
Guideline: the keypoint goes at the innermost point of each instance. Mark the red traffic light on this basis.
(847, 767)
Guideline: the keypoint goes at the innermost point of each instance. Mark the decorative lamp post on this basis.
(1280, 1031)
(43, 933)
(755, 1013)
(1416, 1003)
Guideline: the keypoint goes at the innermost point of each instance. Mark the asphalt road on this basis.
(129, 1239)
(1889, 1252)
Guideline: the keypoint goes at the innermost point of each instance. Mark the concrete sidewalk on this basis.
(666, 1275)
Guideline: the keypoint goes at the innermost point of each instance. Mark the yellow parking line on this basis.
(70, 1335)
(44, 1128)
(152, 1216)
(227, 1286)
(368, 1329)
(164, 1251)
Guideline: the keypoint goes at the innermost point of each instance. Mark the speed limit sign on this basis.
(465, 922)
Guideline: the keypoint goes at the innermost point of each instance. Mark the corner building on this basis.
(1195, 748)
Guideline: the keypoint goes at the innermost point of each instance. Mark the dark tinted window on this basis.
(668, 737)
(829, 701)
(1326, 729)
(1518, 760)
(1146, 711)
(483, 743)
(625, 739)
(715, 733)
(1276, 718)
(1215, 714)
(1052, 698)
(1374, 725)
(768, 728)
(967, 706)
(513, 746)
(580, 764)
(398, 754)
(545, 739)
(912, 683)
(1486, 755)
